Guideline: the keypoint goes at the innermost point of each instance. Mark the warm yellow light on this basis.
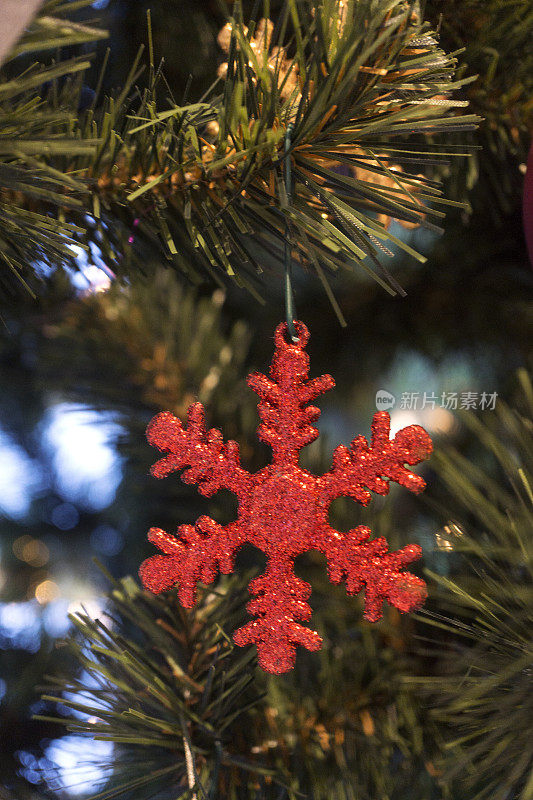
(367, 722)
(35, 553)
(440, 420)
(444, 539)
(46, 591)
(32, 551)
(442, 542)
(19, 544)
(211, 380)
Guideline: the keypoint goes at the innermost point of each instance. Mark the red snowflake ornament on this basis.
(283, 509)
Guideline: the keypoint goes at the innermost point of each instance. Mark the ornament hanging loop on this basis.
(282, 336)
(290, 311)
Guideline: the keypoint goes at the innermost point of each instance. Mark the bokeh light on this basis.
(86, 467)
(107, 540)
(46, 591)
(79, 764)
(33, 551)
(65, 516)
(20, 478)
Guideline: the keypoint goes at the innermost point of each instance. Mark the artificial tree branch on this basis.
(367, 93)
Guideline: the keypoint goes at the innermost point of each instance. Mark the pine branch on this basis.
(204, 182)
(38, 118)
(220, 193)
(167, 687)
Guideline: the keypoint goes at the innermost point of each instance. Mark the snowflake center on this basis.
(281, 510)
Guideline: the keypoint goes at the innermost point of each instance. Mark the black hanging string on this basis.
(290, 310)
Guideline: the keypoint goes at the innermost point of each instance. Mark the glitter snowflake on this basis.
(283, 509)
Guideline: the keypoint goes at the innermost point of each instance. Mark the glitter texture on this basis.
(283, 509)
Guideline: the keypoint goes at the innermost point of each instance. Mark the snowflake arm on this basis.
(198, 553)
(361, 468)
(211, 464)
(286, 420)
(275, 630)
(363, 563)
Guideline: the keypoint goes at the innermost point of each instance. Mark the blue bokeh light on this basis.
(107, 540)
(65, 516)
(20, 478)
(86, 467)
(20, 625)
(81, 765)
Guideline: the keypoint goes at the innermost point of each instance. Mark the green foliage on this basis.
(168, 688)
(350, 727)
(482, 695)
(192, 716)
(205, 182)
(350, 110)
(38, 139)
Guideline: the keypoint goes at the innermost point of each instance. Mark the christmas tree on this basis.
(176, 180)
